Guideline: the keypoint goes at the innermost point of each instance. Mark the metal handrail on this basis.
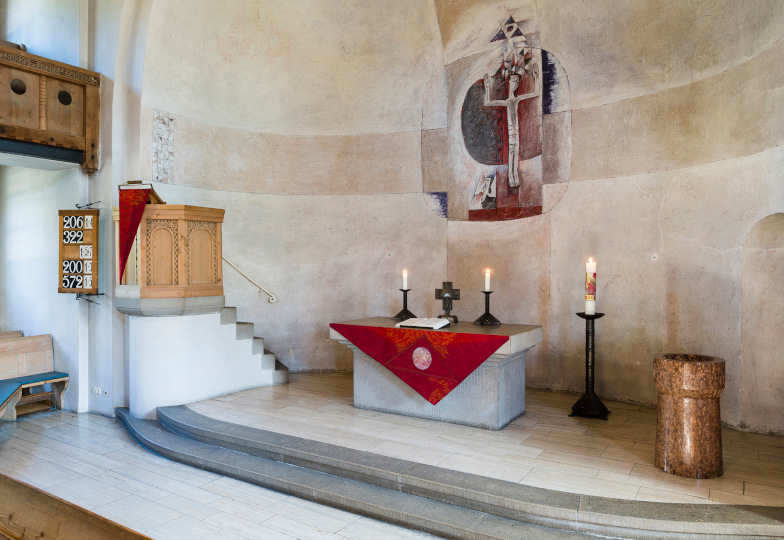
(272, 298)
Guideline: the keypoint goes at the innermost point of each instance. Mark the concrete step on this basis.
(269, 361)
(245, 330)
(228, 315)
(505, 500)
(280, 375)
(405, 509)
(258, 346)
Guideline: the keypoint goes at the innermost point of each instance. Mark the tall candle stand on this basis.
(589, 403)
(487, 319)
(404, 313)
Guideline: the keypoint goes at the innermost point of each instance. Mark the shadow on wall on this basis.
(762, 350)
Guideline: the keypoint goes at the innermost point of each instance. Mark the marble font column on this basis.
(688, 428)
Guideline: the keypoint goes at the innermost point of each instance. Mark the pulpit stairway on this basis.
(184, 344)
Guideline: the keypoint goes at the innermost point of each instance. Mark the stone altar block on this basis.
(491, 397)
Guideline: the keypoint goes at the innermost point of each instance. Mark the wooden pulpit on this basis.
(175, 266)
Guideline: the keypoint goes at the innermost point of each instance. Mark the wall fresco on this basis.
(501, 123)
(487, 50)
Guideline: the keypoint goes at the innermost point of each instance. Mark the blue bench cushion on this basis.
(36, 377)
(9, 386)
(7, 390)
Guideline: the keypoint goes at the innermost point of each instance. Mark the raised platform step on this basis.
(408, 510)
(507, 505)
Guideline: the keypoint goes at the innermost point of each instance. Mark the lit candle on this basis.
(487, 280)
(405, 279)
(590, 287)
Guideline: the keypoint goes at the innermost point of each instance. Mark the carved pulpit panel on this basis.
(177, 253)
(201, 252)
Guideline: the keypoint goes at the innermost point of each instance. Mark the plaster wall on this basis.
(664, 188)
(48, 28)
(763, 317)
(311, 139)
(120, 107)
(326, 259)
(29, 201)
(669, 247)
(52, 29)
(296, 68)
(675, 134)
(319, 126)
(512, 250)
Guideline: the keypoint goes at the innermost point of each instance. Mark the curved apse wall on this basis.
(303, 120)
(763, 317)
(320, 125)
(671, 168)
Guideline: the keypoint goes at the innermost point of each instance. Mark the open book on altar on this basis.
(433, 323)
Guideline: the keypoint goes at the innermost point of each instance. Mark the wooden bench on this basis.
(25, 364)
(12, 334)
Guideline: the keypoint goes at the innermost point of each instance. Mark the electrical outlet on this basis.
(96, 390)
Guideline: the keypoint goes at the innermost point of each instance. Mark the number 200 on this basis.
(72, 267)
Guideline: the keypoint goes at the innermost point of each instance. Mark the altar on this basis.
(463, 374)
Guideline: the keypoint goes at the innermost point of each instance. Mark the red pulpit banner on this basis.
(432, 362)
(132, 203)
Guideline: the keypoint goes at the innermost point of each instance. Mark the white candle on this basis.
(590, 287)
(487, 279)
(405, 279)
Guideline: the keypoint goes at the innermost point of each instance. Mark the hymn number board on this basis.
(78, 251)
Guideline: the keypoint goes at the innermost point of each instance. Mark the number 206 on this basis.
(73, 222)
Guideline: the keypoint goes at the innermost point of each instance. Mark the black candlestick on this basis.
(404, 313)
(589, 403)
(487, 319)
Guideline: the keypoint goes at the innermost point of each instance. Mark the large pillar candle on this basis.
(590, 287)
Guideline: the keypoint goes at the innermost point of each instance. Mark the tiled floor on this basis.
(543, 448)
(92, 461)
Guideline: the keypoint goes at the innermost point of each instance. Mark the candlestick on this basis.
(487, 280)
(404, 313)
(405, 278)
(590, 287)
(487, 319)
(589, 403)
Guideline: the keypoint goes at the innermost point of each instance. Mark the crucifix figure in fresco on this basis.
(511, 103)
(501, 125)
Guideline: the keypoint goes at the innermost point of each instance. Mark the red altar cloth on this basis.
(432, 362)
